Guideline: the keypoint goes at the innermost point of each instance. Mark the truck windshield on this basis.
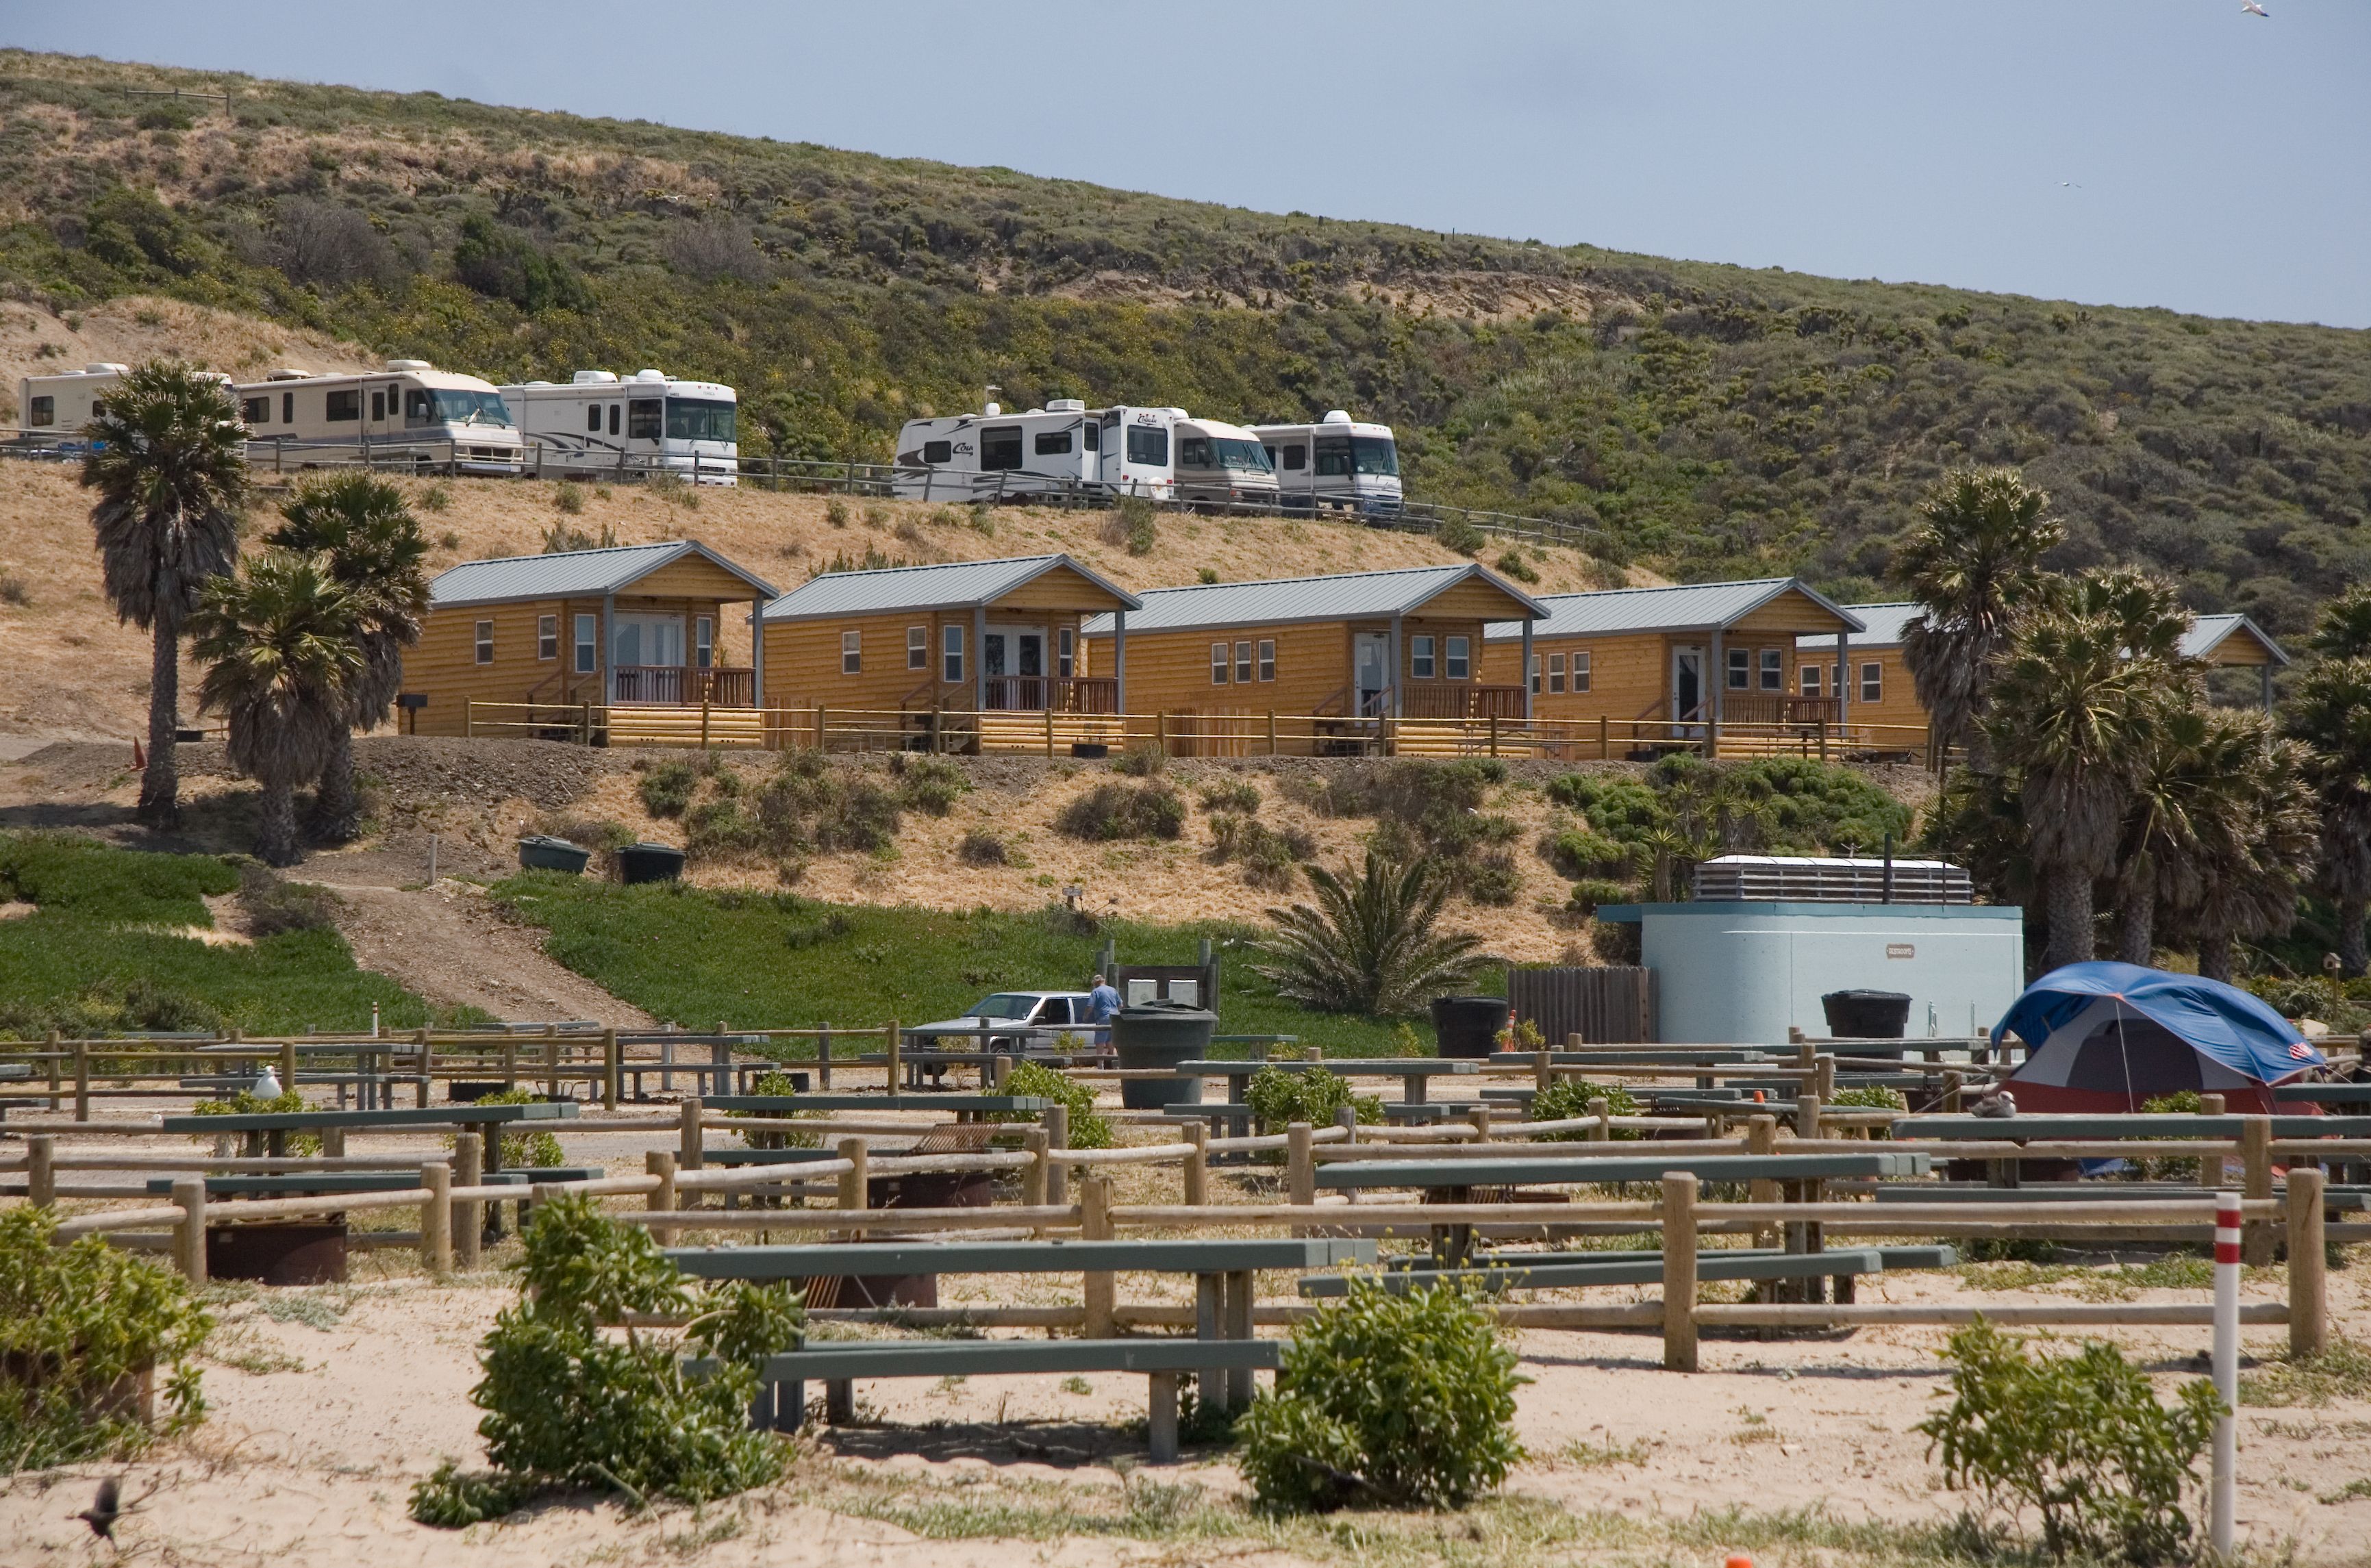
(1248, 457)
(470, 407)
(699, 418)
(1375, 455)
(1004, 1004)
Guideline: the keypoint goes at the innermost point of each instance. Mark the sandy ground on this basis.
(328, 1404)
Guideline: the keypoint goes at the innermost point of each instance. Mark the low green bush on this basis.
(1581, 854)
(930, 784)
(1587, 897)
(1279, 1098)
(1087, 1129)
(1491, 879)
(1240, 796)
(63, 875)
(1121, 810)
(1142, 760)
(776, 1083)
(666, 788)
(1392, 1400)
(1567, 1099)
(1268, 856)
(535, 1147)
(274, 906)
(981, 848)
(79, 1325)
(1513, 565)
(246, 1102)
(1870, 1097)
(2080, 1439)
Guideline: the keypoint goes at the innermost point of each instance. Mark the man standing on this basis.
(1103, 1002)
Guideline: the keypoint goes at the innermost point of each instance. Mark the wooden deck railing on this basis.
(682, 684)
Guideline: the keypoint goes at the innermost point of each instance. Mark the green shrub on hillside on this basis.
(666, 788)
(1087, 1129)
(80, 877)
(1120, 811)
(274, 906)
(1280, 1097)
(1568, 1100)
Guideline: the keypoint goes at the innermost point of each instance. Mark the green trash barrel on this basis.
(1160, 1034)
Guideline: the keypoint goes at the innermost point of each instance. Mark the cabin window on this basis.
(1194, 452)
(1149, 445)
(485, 641)
(918, 648)
(938, 451)
(1581, 671)
(1091, 436)
(1000, 449)
(1811, 680)
(1872, 683)
(1420, 658)
(1267, 659)
(1066, 647)
(951, 654)
(645, 419)
(1539, 675)
(851, 652)
(1555, 673)
(1243, 664)
(254, 410)
(1457, 656)
(1774, 670)
(1053, 443)
(42, 412)
(1741, 668)
(1217, 664)
(378, 407)
(588, 643)
(341, 406)
(288, 408)
(593, 419)
(546, 636)
(703, 642)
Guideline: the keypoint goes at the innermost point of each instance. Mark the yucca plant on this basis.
(1369, 944)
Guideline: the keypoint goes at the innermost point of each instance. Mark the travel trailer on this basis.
(1220, 465)
(55, 407)
(598, 424)
(1062, 448)
(1338, 464)
(410, 413)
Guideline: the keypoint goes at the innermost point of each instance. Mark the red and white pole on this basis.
(2223, 1505)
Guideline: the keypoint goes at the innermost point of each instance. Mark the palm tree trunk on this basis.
(160, 786)
(2069, 902)
(337, 809)
(2214, 956)
(2351, 956)
(2136, 928)
(275, 830)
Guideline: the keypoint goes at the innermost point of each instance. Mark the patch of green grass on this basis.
(2115, 1282)
(777, 961)
(1600, 1456)
(2341, 1372)
(2359, 1487)
(97, 882)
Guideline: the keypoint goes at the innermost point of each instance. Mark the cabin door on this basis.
(1687, 688)
(1015, 666)
(647, 653)
(1372, 661)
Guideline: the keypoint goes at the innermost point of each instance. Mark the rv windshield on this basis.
(1248, 457)
(699, 419)
(470, 407)
(1374, 455)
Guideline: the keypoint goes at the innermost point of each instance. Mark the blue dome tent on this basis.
(2107, 1037)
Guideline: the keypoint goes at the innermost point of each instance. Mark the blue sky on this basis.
(2175, 153)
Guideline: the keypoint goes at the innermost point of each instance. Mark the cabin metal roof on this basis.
(1688, 606)
(955, 585)
(1887, 622)
(2208, 633)
(572, 574)
(1357, 595)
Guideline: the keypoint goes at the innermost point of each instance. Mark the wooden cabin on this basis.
(1400, 644)
(636, 631)
(1659, 665)
(2221, 641)
(982, 636)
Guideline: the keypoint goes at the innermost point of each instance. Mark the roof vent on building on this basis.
(594, 378)
(1767, 879)
(1336, 415)
(650, 375)
(1066, 406)
(410, 365)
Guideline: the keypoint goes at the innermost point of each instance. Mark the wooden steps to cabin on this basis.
(654, 725)
(1025, 731)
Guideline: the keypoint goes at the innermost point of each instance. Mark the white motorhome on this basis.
(1064, 447)
(410, 413)
(1337, 464)
(598, 424)
(1222, 464)
(52, 409)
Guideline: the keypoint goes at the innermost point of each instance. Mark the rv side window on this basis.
(1148, 445)
(613, 419)
(415, 408)
(1217, 664)
(378, 407)
(593, 419)
(340, 406)
(1194, 452)
(587, 645)
(484, 640)
(938, 451)
(254, 410)
(1001, 448)
(1332, 456)
(1420, 658)
(951, 654)
(851, 652)
(546, 636)
(1458, 656)
(1066, 655)
(1053, 443)
(645, 419)
(1267, 658)
(918, 648)
(1296, 457)
(1774, 670)
(288, 408)
(1089, 436)
(42, 412)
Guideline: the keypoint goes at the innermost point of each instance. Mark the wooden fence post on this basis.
(2308, 1282)
(52, 1051)
(41, 1171)
(1271, 732)
(688, 1145)
(889, 1033)
(436, 1218)
(2256, 1160)
(1680, 1271)
(1058, 1136)
(612, 1070)
(1198, 1165)
(424, 1065)
(1806, 1115)
(658, 1162)
(190, 1232)
(551, 1060)
(1601, 1110)
(852, 1184)
(469, 1213)
(287, 1065)
(1094, 1225)
(82, 1080)
(1542, 1071)
(1300, 1167)
(1033, 1179)
(1761, 1138)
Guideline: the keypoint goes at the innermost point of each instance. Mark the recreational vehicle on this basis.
(598, 424)
(1220, 465)
(1062, 448)
(409, 414)
(1337, 465)
(53, 409)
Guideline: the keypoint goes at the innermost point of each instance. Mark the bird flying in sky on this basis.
(2253, 9)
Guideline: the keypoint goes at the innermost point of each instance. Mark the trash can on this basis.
(649, 863)
(1160, 1034)
(1468, 1026)
(541, 852)
(1866, 1015)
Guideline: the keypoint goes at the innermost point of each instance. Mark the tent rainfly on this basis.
(2105, 1037)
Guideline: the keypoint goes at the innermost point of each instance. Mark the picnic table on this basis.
(1412, 1072)
(266, 1132)
(967, 1107)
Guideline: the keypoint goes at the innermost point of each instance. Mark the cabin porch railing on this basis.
(680, 685)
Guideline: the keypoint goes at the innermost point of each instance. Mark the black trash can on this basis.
(1161, 1034)
(1468, 1026)
(1866, 1015)
(541, 852)
(649, 863)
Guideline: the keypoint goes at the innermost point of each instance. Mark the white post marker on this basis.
(2224, 1503)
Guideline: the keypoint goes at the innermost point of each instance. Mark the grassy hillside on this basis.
(1711, 419)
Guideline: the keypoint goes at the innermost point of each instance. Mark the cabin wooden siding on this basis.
(444, 666)
(1315, 662)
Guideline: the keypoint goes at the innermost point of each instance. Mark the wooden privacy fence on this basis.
(1608, 1005)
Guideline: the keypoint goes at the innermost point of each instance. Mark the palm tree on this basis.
(168, 464)
(364, 530)
(2332, 714)
(2197, 785)
(2344, 630)
(2146, 608)
(2074, 715)
(1974, 561)
(2253, 860)
(282, 641)
(1368, 945)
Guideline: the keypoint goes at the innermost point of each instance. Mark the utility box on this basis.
(1743, 972)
